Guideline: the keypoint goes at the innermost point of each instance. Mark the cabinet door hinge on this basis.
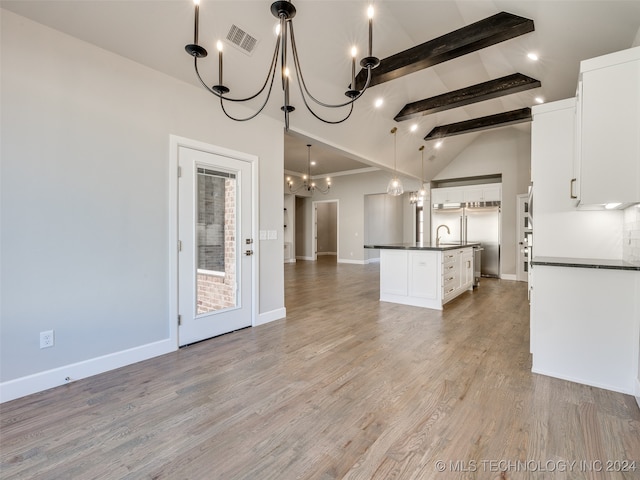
(179, 320)
(179, 171)
(179, 245)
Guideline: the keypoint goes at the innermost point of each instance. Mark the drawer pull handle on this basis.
(571, 194)
(451, 290)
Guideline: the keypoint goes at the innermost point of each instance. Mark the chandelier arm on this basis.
(266, 100)
(306, 104)
(271, 72)
(331, 122)
(301, 81)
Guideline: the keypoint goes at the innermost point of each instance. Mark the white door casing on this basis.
(186, 156)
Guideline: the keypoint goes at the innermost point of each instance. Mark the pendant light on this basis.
(307, 183)
(395, 187)
(422, 193)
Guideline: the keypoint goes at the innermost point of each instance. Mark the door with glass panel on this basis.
(215, 243)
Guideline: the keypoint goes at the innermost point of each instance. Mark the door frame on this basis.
(175, 142)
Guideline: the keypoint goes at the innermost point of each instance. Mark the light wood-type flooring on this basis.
(344, 387)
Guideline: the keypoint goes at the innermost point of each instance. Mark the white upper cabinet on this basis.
(608, 130)
(552, 153)
(447, 195)
(491, 192)
(483, 193)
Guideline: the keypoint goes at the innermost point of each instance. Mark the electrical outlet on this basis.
(46, 339)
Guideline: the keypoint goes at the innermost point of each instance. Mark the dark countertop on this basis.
(586, 263)
(423, 246)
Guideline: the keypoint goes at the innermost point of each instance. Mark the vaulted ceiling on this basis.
(154, 33)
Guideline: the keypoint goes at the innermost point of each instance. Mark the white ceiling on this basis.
(154, 32)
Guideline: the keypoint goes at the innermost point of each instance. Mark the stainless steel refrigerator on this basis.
(471, 222)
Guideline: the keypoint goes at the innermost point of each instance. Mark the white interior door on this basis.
(215, 262)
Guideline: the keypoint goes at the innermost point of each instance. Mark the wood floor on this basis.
(344, 387)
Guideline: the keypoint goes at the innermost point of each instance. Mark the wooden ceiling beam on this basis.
(484, 33)
(483, 123)
(480, 92)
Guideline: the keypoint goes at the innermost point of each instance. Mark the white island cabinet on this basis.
(423, 275)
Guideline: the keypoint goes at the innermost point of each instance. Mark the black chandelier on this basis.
(284, 11)
(307, 183)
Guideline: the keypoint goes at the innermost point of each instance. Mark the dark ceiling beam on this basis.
(484, 33)
(499, 87)
(483, 123)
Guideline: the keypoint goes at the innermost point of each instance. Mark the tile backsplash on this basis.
(631, 240)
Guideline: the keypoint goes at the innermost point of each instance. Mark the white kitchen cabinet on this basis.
(457, 272)
(608, 130)
(447, 195)
(560, 229)
(552, 154)
(425, 277)
(491, 192)
(483, 193)
(585, 325)
(466, 269)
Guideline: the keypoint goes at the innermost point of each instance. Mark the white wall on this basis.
(383, 221)
(85, 204)
(505, 151)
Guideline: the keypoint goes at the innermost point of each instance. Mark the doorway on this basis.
(325, 228)
(215, 260)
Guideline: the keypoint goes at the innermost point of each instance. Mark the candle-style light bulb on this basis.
(196, 21)
(370, 15)
(219, 47)
(354, 52)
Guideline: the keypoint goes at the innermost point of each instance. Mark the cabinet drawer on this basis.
(448, 293)
(449, 268)
(449, 280)
(449, 257)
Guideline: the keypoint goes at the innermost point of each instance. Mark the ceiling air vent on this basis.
(241, 39)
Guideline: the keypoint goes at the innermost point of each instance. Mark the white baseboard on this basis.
(356, 262)
(327, 253)
(267, 317)
(38, 382)
(373, 260)
(509, 276)
(300, 257)
(613, 388)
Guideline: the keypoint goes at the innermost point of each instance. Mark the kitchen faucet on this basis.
(438, 233)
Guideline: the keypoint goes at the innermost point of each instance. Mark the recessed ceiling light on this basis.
(378, 103)
(414, 127)
(539, 100)
(533, 56)
(438, 144)
(313, 162)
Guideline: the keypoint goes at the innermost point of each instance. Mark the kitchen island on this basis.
(424, 274)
